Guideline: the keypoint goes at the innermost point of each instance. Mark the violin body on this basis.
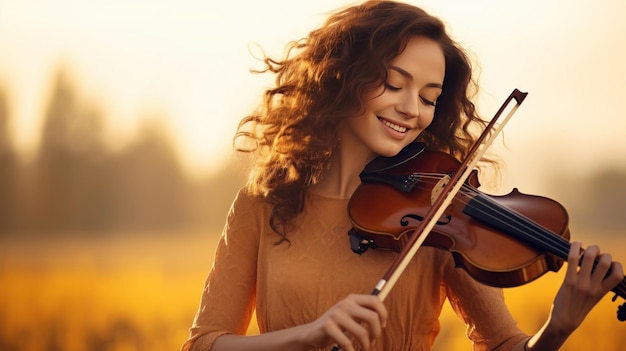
(385, 214)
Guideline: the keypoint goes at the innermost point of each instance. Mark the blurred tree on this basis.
(603, 206)
(214, 194)
(9, 169)
(80, 186)
(150, 186)
(594, 202)
(69, 173)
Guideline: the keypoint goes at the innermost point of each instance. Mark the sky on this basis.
(188, 61)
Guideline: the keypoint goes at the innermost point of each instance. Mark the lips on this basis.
(396, 127)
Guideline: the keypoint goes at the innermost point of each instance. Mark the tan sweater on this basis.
(293, 284)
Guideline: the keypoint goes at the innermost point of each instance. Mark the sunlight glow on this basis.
(190, 61)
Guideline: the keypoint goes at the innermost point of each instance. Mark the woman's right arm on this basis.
(359, 316)
(228, 299)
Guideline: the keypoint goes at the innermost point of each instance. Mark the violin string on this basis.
(555, 243)
(561, 243)
(552, 242)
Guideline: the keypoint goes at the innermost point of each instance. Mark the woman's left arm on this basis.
(582, 288)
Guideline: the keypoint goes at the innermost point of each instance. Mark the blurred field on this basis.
(140, 293)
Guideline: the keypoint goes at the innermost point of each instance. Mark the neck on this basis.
(342, 177)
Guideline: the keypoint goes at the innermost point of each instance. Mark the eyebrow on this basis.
(410, 76)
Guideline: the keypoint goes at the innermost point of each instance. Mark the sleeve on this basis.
(228, 297)
(490, 325)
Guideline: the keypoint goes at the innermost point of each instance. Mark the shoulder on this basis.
(248, 210)
(247, 201)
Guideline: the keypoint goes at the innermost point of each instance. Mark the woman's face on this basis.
(396, 113)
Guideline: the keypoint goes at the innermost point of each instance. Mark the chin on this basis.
(389, 151)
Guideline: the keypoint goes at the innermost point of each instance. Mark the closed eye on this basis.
(391, 87)
(428, 102)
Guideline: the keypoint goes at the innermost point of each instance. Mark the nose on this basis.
(408, 105)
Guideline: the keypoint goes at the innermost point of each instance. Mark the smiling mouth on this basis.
(397, 128)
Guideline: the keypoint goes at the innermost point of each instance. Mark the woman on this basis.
(374, 78)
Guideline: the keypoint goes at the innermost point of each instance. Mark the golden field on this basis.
(140, 293)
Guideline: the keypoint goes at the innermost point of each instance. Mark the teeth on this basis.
(393, 126)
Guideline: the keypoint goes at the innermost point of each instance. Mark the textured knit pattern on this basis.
(294, 283)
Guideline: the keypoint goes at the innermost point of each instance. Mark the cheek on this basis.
(376, 99)
(426, 119)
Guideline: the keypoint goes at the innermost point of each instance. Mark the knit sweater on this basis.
(295, 282)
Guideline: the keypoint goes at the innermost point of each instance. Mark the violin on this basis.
(502, 241)
(530, 232)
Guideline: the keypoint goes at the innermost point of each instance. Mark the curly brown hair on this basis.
(321, 81)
